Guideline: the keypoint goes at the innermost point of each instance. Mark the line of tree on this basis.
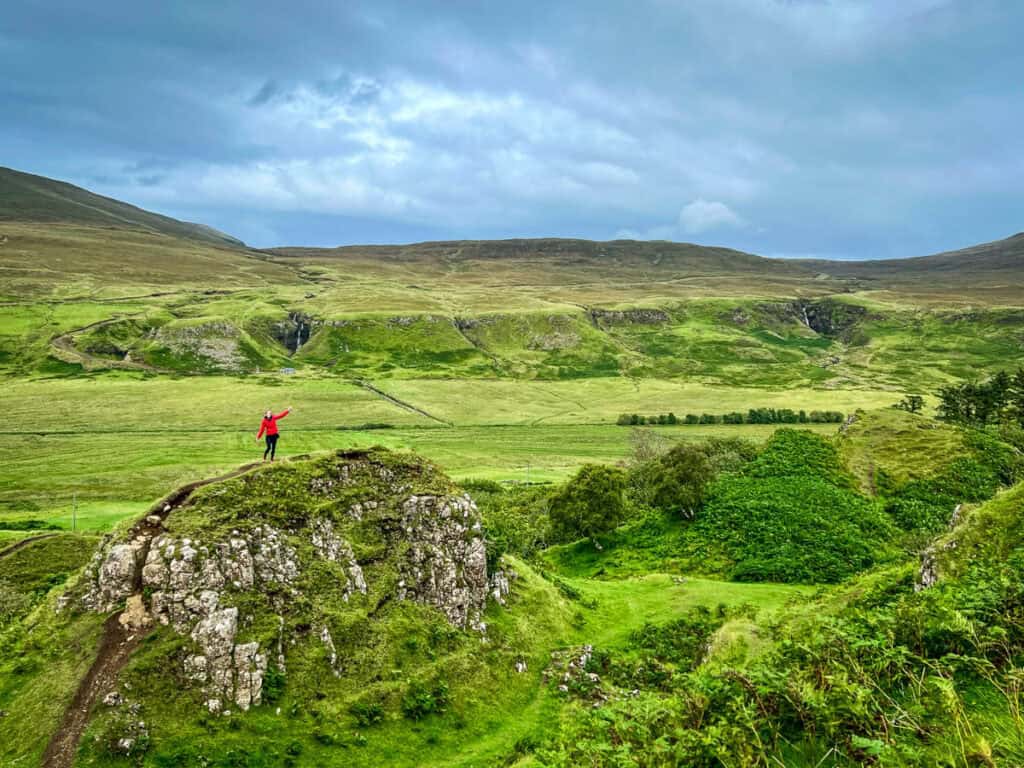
(997, 400)
(752, 416)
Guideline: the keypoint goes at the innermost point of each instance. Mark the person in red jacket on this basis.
(269, 426)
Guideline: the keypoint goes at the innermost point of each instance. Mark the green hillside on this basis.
(25, 197)
(359, 586)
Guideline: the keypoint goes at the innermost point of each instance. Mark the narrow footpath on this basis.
(120, 638)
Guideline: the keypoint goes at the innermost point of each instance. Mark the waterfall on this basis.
(803, 311)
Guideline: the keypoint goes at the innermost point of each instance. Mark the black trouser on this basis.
(271, 447)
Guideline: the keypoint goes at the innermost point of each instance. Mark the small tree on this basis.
(685, 471)
(590, 504)
(911, 404)
(646, 445)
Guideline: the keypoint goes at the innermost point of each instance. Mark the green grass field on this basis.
(116, 474)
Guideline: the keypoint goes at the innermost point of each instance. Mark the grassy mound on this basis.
(922, 469)
(29, 573)
(792, 515)
(350, 662)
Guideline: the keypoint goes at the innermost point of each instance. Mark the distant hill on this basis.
(997, 260)
(25, 197)
(488, 275)
(651, 254)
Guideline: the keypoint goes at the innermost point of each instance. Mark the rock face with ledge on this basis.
(295, 557)
(447, 562)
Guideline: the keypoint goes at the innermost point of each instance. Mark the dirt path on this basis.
(115, 648)
(66, 343)
(11, 549)
(400, 403)
(118, 640)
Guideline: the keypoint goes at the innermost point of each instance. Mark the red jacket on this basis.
(270, 425)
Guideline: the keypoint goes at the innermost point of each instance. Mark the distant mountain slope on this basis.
(999, 258)
(650, 254)
(29, 198)
(489, 275)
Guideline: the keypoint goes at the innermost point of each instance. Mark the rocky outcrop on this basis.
(335, 549)
(446, 566)
(339, 537)
(500, 585)
(187, 582)
(928, 574)
(112, 573)
(608, 317)
(556, 340)
(295, 331)
(228, 671)
(187, 577)
(217, 342)
(834, 319)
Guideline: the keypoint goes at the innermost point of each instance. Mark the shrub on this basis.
(798, 453)
(793, 529)
(28, 525)
(273, 684)
(681, 477)
(367, 713)
(591, 503)
(683, 642)
(792, 515)
(12, 603)
(515, 519)
(422, 699)
(753, 416)
(674, 479)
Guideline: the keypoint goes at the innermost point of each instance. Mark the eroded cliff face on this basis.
(446, 564)
(249, 569)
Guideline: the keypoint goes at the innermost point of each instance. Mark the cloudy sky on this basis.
(835, 128)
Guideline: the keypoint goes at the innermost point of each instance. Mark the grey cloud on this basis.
(853, 127)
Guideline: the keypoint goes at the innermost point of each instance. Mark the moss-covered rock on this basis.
(303, 552)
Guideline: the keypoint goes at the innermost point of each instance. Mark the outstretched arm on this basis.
(284, 413)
